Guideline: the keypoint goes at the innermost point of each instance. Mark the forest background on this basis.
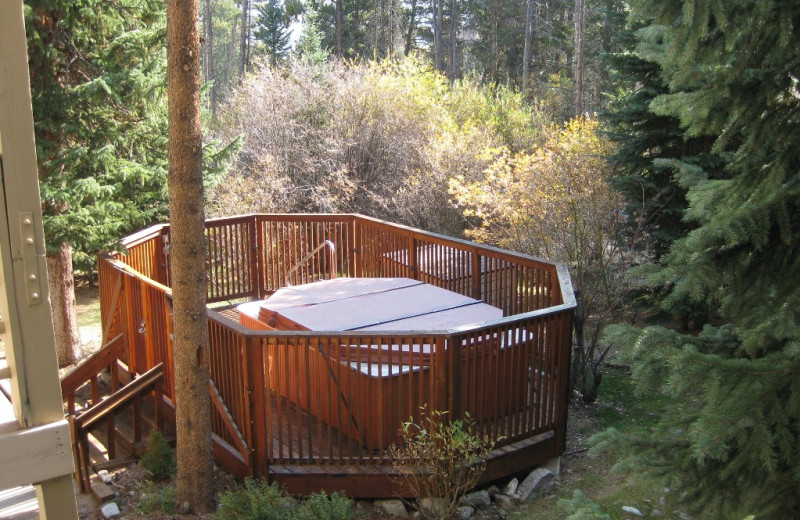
(650, 145)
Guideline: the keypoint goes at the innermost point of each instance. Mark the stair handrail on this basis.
(88, 370)
(332, 263)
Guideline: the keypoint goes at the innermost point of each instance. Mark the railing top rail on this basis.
(122, 266)
(143, 235)
(464, 244)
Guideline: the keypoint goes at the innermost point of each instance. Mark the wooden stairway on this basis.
(110, 415)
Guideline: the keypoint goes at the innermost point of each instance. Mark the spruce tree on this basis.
(272, 30)
(731, 441)
(97, 79)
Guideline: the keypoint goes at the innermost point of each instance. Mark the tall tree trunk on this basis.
(392, 23)
(339, 28)
(412, 19)
(245, 39)
(64, 309)
(438, 11)
(453, 47)
(190, 343)
(580, 29)
(530, 30)
(495, 38)
(208, 54)
(231, 54)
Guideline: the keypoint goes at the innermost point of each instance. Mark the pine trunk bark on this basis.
(190, 343)
(530, 30)
(412, 23)
(64, 308)
(245, 39)
(438, 8)
(454, 29)
(580, 29)
(339, 28)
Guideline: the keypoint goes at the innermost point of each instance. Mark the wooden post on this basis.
(26, 327)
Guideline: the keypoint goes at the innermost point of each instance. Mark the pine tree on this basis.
(310, 47)
(272, 30)
(731, 442)
(97, 79)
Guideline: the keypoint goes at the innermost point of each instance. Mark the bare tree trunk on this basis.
(580, 29)
(245, 38)
(530, 30)
(190, 343)
(438, 8)
(392, 22)
(339, 28)
(454, 27)
(231, 54)
(411, 27)
(208, 54)
(495, 43)
(64, 308)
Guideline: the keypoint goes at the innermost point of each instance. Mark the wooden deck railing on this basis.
(358, 387)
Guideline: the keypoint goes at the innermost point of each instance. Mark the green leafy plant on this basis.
(158, 458)
(581, 507)
(255, 500)
(258, 500)
(320, 506)
(441, 459)
(154, 499)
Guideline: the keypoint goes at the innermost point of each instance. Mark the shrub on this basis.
(375, 138)
(320, 506)
(158, 458)
(255, 500)
(153, 499)
(258, 500)
(581, 507)
(441, 459)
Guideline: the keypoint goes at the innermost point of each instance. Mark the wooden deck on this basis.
(319, 409)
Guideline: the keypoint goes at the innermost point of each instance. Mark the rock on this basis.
(493, 490)
(392, 506)
(105, 476)
(511, 487)
(540, 481)
(477, 499)
(656, 512)
(110, 510)
(684, 516)
(464, 512)
(632, 510)
(504, 501)
(433, 506)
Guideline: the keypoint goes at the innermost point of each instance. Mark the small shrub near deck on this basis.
(320, 506)
(158, 458)
(440, 458)
(153, 499)
(257, 500)
(581, 507)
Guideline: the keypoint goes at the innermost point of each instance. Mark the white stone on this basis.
(539, 482)
(434, 506)
(110, 510)
(105, 476)
(392, 506)
(632, 510)
(493, 490)
(464, 512)
(504, 501)
(479, 498)
(511, 487)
